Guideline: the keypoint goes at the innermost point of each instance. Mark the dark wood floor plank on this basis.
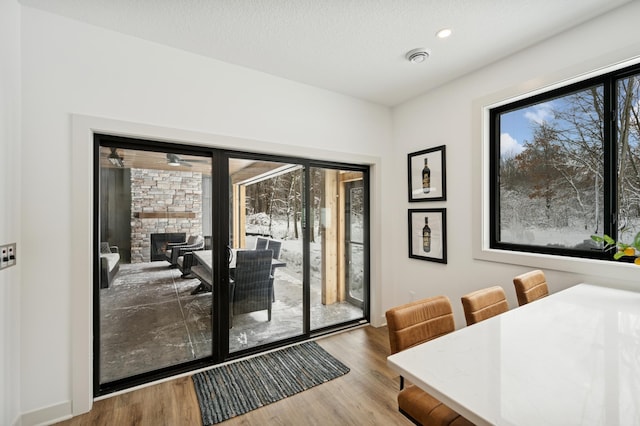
(367, 395)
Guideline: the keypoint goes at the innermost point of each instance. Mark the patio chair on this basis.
(261, 243)
(275, 246)
(109, 263)
(175, 250)
(252, 287)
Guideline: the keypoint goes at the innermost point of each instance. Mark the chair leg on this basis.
(201, 288)
(408, 416)
(272, 299)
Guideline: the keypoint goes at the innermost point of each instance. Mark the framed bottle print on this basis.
(427, 178)
(428, 234)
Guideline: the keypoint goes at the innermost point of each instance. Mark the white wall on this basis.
(73, 68)
(10, 209)
(450, 115)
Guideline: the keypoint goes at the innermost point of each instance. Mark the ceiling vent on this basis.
(418, 55)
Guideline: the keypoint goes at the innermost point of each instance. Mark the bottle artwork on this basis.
(426, 178)
(426, 236)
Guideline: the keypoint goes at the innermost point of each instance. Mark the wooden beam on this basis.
(341, 243)
(239, 215)
(164, 215)
(330, 226)
(350, 176)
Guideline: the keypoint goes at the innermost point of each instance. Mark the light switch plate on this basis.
(12, 254)
(7, 255)
(4, 257)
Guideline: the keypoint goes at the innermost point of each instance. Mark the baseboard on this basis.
(48, 415)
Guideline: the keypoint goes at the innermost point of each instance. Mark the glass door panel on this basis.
(154, 217)
(336, 248)
(354, 241)
(266, 237)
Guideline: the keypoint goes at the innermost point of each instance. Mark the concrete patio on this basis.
(149, 319)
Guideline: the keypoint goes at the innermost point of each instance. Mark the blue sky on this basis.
(516, 127)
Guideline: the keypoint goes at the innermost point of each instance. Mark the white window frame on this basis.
(481, 183)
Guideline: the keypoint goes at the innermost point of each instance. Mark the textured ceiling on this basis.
(354, 47)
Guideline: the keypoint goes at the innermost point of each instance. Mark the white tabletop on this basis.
(572, 358)
(205, 258)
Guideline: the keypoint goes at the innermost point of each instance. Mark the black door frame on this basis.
(220, 238)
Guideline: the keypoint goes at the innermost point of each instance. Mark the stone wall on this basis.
(176, 194)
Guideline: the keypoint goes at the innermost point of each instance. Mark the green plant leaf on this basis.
(610, 243)
(618, 255)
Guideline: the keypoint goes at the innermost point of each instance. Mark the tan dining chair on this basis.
(409, 325)
(484, 303)
(530, 286)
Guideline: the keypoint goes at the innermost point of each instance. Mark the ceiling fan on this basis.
(175, 160)
(115, 159)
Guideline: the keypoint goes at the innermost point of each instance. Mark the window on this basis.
(565, 165)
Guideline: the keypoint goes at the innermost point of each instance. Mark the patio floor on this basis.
(149, 319)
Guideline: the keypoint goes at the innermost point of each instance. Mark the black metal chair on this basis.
(252, 287)
(187, 260)
(175, 250)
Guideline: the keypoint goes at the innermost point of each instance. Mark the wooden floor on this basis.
(364, 396)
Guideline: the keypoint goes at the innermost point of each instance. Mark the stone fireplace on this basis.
(163, 202)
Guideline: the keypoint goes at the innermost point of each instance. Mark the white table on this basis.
(205, 258)
(204, 269)
(572, 358)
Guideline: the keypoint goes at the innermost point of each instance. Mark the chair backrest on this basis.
(420, 321)
(261, 243)
(530, 286)
(274, 245)
(252, 289)
(195, 242)
(195, 239)
(485, 303)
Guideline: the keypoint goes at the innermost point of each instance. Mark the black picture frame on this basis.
(437, 244)
(437, 187)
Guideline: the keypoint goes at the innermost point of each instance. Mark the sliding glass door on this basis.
(205, 255)
(154, 214)
(339, 256)
(267, 302)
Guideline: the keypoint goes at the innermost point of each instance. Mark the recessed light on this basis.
(444, 33)
(418, 55)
